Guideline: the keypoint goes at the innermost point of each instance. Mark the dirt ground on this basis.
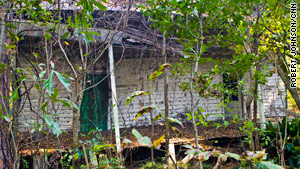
(182, 134)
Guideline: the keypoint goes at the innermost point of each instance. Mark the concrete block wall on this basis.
(273, 92)
(31, 112)
(132, 75)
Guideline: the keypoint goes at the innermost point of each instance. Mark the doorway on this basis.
(94, 105)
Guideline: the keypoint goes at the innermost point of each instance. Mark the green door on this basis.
(93, 112)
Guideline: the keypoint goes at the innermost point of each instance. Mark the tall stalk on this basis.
(166, 100)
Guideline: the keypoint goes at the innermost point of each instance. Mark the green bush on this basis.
(271, 140)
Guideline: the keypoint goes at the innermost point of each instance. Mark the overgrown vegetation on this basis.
(256, 32)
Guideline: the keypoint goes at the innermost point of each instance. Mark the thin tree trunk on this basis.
(76, 115)
(152, 126)
(166, 100)
(6, 157)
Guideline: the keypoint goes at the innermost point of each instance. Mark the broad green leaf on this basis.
(134, 94)
(270, 165)
(145, 141)
(63, 80)
(136, 134)
(233, 155)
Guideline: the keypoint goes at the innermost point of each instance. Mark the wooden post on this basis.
(172, 155)
(261, 108)
(114, 99)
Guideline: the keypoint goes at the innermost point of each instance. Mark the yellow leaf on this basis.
(158, 141)
(66, 43)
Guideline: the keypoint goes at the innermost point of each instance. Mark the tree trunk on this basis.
(283, 73)
(166, 99)
(6, 157)
(76, 114)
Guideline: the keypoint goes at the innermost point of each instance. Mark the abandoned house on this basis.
(136, 54)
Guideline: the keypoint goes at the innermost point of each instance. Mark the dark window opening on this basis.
(231, 85)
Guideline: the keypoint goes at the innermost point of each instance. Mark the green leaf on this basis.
(125, 141)
(47, 36)
(10, 46)
(52, 125)
(144, 110)
(63, 80)
(65, 103)
(76, 32)
(226, 123)
(189, 116)
(203, 156)
(15, 95)
(289, 147)
(37, 86)
(270, 165)
(76, 156)
(99, 6)
(86, 40)
(134, 94)
(72, 103)
(136, 134)
(233, 155)
(223, 158)
(49, 83)
(65, 35)
(160, 70)
(173, 120)
(145, 141)
(6, 117)
(195, 11)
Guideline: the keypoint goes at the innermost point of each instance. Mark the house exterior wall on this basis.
(27, 118)
(273, 92)
(132, 75)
